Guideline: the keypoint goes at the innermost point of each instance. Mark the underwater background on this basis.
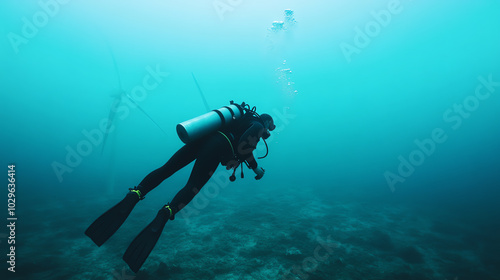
(384, 164)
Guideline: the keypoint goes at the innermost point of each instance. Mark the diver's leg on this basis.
(180, 159)
(207, 161)
(140, 248)
(109, 222)
(204, 166)
(202, 171)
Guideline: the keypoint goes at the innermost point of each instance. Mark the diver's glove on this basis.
(260, 172)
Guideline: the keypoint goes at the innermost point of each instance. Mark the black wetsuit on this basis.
(209, 151)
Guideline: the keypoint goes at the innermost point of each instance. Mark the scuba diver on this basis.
(227, 136)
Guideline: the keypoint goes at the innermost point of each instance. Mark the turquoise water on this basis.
(384, 163)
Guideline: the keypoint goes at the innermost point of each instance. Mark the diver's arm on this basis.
(252, 135)
(248, 143)
(259, 171)
(252, 163)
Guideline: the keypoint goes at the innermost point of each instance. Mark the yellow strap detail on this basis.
(138, 192)
(232, 149)
(168, 207)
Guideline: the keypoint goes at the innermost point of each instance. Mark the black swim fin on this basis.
(109, 222)
(143, 244)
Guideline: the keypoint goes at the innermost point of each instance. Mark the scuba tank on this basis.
(212, 121)
(205, 124)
